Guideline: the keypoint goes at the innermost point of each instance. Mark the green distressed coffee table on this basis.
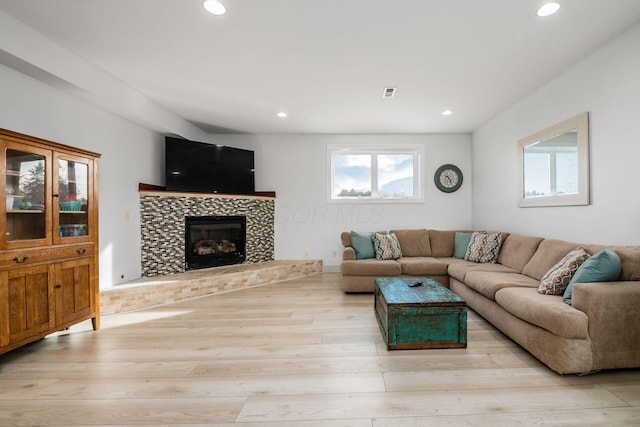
(426, 316)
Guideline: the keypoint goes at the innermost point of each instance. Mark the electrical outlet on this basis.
(334, 254)
(306, 255)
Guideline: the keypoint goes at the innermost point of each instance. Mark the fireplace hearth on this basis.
(212, 241)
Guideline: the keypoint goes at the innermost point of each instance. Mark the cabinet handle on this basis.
(81, 251)
(20, 259)
(58, 286)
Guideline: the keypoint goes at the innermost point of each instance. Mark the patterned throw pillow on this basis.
(386, 246)
(556, 280)
(484, 247)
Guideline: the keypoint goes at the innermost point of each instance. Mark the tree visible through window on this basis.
(374, 173)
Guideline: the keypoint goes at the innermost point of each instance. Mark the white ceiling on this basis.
(327, 62)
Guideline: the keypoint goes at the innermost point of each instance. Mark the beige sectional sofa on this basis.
(598, 330)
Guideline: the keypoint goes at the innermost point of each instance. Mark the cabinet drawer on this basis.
(21, 258)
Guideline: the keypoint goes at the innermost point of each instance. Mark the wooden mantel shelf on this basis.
(159, 190)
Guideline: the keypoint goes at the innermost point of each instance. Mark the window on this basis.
(550, 172)
(374, 173)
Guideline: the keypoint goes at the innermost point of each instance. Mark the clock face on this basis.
(448, 178)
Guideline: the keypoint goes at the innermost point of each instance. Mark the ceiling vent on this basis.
(389, 92)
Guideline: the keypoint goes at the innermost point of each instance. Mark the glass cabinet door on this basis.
(26, 194)
(74, 196)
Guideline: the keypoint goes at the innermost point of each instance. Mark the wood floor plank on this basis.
(342, 364)
(11, 389)
(239, 353)
(119, 411)
(475, 378)
(629, 392)
(195, 387)
(582, 417)
(440, 402)
(141, 370)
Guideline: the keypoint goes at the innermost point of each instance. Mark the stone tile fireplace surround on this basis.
(164, 280)
(162, 216)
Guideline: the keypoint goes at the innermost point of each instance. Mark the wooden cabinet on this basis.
(48, 238)
(27, 305)
(74, 298)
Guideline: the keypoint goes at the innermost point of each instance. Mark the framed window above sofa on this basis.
(359, 173)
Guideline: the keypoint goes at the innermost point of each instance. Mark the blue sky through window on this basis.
(353, 175)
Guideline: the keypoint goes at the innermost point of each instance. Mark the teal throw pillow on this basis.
(363, 245)
(603, 266)
(461, 244)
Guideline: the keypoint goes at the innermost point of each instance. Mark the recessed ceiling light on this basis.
(548, 9)
(215, 7)
(447, 112)
(282, 114)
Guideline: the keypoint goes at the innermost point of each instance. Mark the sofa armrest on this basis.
(348, 254)
(613, 309)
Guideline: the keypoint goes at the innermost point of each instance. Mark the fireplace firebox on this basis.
(212, 241)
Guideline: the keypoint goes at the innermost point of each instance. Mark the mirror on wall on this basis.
(554, 165)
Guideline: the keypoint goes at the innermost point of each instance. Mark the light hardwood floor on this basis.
(295, 353)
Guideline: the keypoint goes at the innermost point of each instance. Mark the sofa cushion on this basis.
(422, 266)
(362, 243)
(546, 311)
(604, 266)
(630, 259)
(556, 280)
(386, 246)
(348, 254)
(345, 239)
(451, 260)
(459, 270)
(370, 267)
(517, 250)
(488, 283)
(484, 247)
(442, 242)
(413, 242)
(549, 252)
(461, 243)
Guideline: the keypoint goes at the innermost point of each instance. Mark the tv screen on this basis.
(208, 168)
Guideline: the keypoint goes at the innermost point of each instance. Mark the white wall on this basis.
(295, 166)
(130, 154)
(607, 85)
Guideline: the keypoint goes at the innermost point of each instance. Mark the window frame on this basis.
(416, 150)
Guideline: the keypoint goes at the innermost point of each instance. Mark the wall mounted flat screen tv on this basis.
(208, 168)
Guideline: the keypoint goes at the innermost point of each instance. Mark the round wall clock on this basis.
(448, 178)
